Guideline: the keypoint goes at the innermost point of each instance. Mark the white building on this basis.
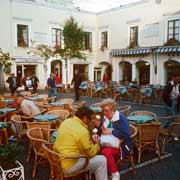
(131, 38)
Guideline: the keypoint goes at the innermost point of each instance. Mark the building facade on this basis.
(138, 41)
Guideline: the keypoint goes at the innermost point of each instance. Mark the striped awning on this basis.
(168, 49)
(130, 52)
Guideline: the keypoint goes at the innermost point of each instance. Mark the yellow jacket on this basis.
(74, 139)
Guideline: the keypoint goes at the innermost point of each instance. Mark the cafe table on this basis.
(140, 119)
(47, 118)
(7, 101)
(7, 110)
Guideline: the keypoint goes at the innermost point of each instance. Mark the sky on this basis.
(100, 5)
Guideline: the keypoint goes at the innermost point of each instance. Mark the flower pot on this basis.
(14, 173)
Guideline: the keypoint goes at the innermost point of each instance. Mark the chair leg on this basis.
(35, 166)
(29, 153)
(139, 156)
(132, 163)
(158, 151)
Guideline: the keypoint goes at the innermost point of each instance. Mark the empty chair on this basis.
(37, 137)
(147, 138)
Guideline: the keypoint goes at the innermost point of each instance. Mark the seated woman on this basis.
(116, 126)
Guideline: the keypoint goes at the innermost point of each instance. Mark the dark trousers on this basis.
(76, 93)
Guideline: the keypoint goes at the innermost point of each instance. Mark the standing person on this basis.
(77, 79)
(74, 139)
(58, 79)
(51, 83)
(12, 81)
(24, 83)
(35, 82)
(105, 78)
(116, 126)
(174, 95)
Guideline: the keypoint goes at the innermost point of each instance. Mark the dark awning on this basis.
(130, 52)
(168, 49)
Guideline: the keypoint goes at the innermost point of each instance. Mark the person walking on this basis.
(51, 83)
(35, 82)
(12, 81)
(77, 79)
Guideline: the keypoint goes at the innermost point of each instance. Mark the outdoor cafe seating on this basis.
(37, 136)
(55, 160)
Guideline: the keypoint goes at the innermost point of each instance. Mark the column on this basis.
(134, 75)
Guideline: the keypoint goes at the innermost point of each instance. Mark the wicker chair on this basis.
(37, 137)
(55, 159)
(64, 114)
(147, 138)
(68, 101)
(130, 157)
(170, 129)
(124, 109)
(145, 113)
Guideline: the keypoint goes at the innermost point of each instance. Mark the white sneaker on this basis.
(115, 176)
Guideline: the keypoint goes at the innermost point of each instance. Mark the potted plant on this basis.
(10, 168)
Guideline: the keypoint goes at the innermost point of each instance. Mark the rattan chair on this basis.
(145, 113)
(55, 160)
(147, 138)
(124, 109)
(37, 137)
(170, 129)
(130, 158)
(64, 114)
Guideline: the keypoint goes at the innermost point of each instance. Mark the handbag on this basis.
(109, 141)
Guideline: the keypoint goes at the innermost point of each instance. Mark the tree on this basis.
(73, 42)
(5, 60)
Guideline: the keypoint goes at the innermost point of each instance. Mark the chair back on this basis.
(148, 132)
(62, 113)
(133, 131)
(145, 113)
(124, 109)
(68, 101)
(19, 124)
(55, 160)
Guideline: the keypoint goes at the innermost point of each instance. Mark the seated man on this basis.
(28, 107)
(74, 139)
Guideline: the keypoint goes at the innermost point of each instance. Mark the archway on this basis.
(125, 71)
(143, 68)
(56, 67)
(172, 68)
(106, 68)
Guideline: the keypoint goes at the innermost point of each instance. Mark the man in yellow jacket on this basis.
(74, 139)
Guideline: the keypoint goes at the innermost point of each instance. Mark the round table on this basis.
(96, 109)
(140, 119)
(7, 110)
(47, 117)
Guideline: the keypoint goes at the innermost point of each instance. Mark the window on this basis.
(104, 39)
(56, 37)
(88, 41)
(133, 36)
(173, 29)
(22, 35)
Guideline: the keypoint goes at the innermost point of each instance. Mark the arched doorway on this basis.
(172, 68)
(143, 68)
(125, 71)
(106, 68)
(56, 67)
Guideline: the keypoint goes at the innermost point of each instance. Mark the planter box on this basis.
(12, 174)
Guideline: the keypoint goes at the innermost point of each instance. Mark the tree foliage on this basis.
(73, 36)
